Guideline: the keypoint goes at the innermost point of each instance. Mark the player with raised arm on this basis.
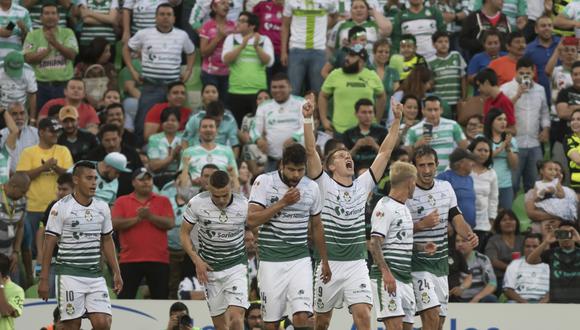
(82, 227)
(392, 249)
(220, 263)
(433, 205)
(343, 215)
(283, 204)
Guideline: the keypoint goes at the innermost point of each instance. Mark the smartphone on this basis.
(563, 234)
(10, 26)
(527, 82)
(427, 130)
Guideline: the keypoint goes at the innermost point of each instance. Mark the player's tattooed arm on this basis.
(320, 243)
(377, 253)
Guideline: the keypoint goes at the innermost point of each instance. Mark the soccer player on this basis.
(220, 262)
(82, 227)
(284, 204)
(392, 249)
(343, 216)
(432, 206)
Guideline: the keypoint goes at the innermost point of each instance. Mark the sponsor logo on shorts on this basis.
(392, 305)
(425, 298)
(70, 309)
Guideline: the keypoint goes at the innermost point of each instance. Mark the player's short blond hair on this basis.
(401, 172)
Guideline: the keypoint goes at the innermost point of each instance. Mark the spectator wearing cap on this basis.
(115, 114)
(77, 141)
(51, 51)
(74, 95)
(142, 220)
(247, 53)
(432, 21)
(356, 35)
(43, 163)
(461, 164)
(526, 283)
(111, 141)
(27, 135)
(18, 83)
(16, 23)
(564, 263)
(108, 172)
(176, 98)
(161, 65)
(346, 86)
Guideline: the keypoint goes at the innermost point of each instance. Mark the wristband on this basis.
(308, 120)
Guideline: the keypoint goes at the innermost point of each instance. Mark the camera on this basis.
(563, 234)
(185, 320)
(527, 81)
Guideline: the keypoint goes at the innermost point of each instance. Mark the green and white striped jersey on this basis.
(309, 22)
(14, 41)
(448, 73)
(79, 229)
(285, 236)
(143, 13)
(90, 32)
(446, 137)
(440, 197)
(221, 232)
(343, 216)
(392, 220)
(221, 156)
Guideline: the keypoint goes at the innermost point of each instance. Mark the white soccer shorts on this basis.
(79, 295)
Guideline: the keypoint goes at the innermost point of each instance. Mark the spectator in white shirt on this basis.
(524, 282)
(532, 121)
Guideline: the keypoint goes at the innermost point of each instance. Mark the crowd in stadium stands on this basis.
(160, 94)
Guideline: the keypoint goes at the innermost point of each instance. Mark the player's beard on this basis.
(288, 182)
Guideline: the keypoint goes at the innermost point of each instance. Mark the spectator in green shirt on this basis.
(11, 296)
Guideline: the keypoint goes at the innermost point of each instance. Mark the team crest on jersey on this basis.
(319, 303)
(392, 305)
(346, 196)
(88, 215)
(425, 298)
(431, 200)
(70, 309)
(223, 216)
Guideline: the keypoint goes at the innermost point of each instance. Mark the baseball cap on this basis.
(459, 154)
(140, 173)
(117, 161)
(570, 41)
(50, 123)
(68, 112)
(13, 64)
(359, 50)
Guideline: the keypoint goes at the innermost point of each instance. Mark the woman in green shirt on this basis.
(164, 148)
(389, 76)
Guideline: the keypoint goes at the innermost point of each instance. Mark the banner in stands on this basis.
(151, 314)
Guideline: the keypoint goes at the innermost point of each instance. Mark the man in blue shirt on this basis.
(458, 175)
(541, 49)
